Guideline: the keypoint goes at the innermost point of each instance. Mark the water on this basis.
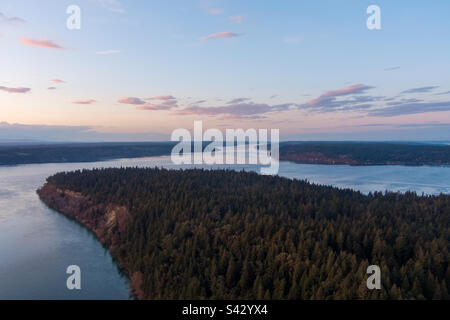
(37, 244)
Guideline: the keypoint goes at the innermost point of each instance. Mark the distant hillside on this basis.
(351, 153)
(80, 152)
(365, 153)
(219, 234)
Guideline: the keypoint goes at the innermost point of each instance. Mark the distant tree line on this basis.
(80, 152)
(365, 153)
(352, 153)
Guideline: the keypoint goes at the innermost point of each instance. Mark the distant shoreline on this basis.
(365, 153)
(324, 153)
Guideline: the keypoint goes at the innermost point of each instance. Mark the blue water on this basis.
(37, 244)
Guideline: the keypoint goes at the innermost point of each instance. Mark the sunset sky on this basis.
(137, 70)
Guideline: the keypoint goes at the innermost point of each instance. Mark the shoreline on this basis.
(106, 221)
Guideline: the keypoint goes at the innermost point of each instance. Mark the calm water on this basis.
(37, 244)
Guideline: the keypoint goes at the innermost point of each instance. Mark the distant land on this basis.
(221, 234)
(327, 153)
(365, 153)
(80, 152)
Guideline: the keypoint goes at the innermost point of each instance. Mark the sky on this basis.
(137, 70)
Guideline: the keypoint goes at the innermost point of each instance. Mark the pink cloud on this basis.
(347, 90)
(40, 43)
(221, 35)
(359, 88)
(131, 100)
(15, 90)
(57, 81)
(88, 101)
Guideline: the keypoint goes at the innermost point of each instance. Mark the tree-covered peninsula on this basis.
(218, 234)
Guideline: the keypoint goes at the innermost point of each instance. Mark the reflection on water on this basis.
(37, 244)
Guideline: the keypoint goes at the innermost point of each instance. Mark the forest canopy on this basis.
(221, 234)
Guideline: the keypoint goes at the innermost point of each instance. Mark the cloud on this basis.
(391, 68)
(51, 88)
(12, 20)
(15, 90)
(392, 102)
(410, 108)
(236, 19)
(161, 98)
(57, 81)
(166, 103)
(215, 11)
(420, 90)
(328, 98)
(40, 43)
(442, 93)
(238, 100)
(353, 99)
(169, 102)
(248, 110)
(375, 106)
(131, 100)
(405, 125)
(333, 105)
(107, 52)
(221, 35)
(156, 107)
(359, 88)
(88, 101)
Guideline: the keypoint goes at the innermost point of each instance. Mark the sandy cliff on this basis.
(107, 221)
